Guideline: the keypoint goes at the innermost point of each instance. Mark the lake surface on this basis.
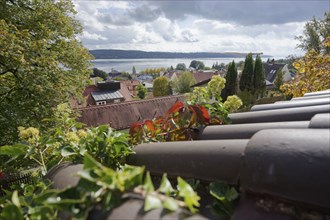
(141, 64)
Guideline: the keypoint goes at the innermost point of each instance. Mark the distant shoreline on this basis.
(137, 54)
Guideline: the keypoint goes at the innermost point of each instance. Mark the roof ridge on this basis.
(113, 105)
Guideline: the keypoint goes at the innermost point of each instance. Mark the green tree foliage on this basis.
(246, 80)
(126, 75)
(279, 80)
(315, 33)
(100, 73)
(196, 64)
(231, 81)
(161, 86)
(259, 85)
(218, 66)
(181, 66)
(133, 70)
(42, 63)
(141, 91)
(182, 85)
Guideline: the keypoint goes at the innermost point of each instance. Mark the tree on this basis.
(181, 66)
(141, 91)
(313, 74)
(231, 81)
(161, 86)
(100, 73)
(196, 64)
(184, 82)
(315, 33)
(246, 80)
(279, 80)
(133, 70)
(259, 77)
(42, 63)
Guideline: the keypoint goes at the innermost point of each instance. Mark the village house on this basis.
(271, 69)
(106, 93)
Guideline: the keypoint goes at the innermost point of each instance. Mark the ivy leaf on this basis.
(152, 202)
(11, 211)
(165, 185)
(189, 196)
(170, 204)
(14, 150)
(67, 151)
(15, 199)
(148, 185)
(90, 162)
(225, 198)
(222, 191)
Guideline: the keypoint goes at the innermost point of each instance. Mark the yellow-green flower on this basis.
(30, 134)
(233, 103)
(216, 85)
(81, 133)
(72, 137)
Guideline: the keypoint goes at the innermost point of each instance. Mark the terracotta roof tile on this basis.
(122, 115)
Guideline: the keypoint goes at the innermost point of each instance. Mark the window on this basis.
(101, 103)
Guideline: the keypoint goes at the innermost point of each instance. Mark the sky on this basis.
(267, 26)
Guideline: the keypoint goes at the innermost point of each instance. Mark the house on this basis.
(203, 77)
(172, 75)
(271, 69)
(106, 93)
(131, 86)
(114, 73)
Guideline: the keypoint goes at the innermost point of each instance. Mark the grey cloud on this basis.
(144, 13)
(115, 19)
(246, 12)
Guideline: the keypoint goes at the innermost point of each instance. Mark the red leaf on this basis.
(135, 128)
(199, 114)
(205, 113)
(175, 108)
(150, 126)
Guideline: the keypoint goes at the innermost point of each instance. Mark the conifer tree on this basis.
(231, 81)
(279, 80)
(258, 77)
(246, 80)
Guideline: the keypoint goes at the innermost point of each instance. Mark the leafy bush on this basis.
(99, 186)
(204, 107)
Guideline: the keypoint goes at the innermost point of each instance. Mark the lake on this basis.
(141, 64)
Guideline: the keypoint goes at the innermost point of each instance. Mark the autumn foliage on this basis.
(313, 74)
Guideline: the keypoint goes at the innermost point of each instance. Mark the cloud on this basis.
(144, 13)
(245, 12)
(190, 26)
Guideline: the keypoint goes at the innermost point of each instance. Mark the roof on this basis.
(132, 82)
(107, 95)
(271, 69)
(125, 92)
(277, 156)
(202, 78)
(123, 115)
